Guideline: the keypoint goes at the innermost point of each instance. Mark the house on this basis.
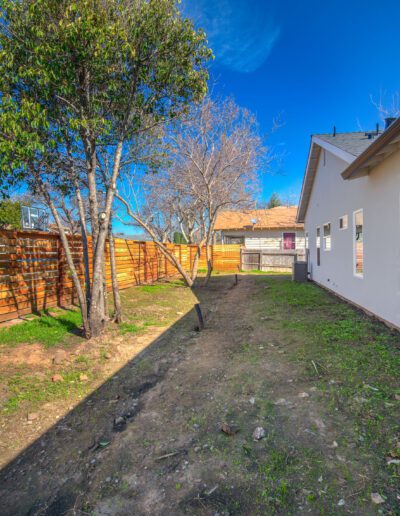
(273, 229)
(350, 205)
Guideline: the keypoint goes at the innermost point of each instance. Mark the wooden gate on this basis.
(250, 260)
(270, 260)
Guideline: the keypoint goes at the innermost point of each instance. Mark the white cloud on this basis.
(241, 33)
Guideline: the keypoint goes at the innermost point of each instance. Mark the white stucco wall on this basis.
(378, 194)
(272, 240)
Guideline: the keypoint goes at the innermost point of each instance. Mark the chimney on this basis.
(389, 121)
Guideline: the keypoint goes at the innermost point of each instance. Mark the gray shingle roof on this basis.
(354, 143)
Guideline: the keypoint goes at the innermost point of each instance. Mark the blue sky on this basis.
(314, 63)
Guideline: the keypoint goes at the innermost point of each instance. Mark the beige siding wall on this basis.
(271, 240)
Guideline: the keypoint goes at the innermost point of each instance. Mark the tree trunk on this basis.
(97, 316)
(85, 244)
(163, 248)
(105, 296)
(114, 279)
(71, 265)
(209, 263)
(208, 248)
(195, 266)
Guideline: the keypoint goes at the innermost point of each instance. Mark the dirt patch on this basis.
(31, 355)
(247, 369)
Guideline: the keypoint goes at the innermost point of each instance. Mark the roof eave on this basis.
(316, 145)
(375, 153)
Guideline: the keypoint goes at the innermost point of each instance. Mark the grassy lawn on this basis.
(319, 376)
(353, 361)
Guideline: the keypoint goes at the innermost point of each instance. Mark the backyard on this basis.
(157, 418)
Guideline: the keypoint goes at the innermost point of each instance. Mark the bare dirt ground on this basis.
(149, 441)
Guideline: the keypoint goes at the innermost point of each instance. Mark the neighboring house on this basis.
(274, 229)
(351, 210)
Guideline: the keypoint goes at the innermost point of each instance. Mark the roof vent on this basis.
(389, 121)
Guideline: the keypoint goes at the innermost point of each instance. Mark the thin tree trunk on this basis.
(105, 296)
(208, 249)
(195, 266)
(209, 263)
(114, 279)
(70, 262)
(97, 316)
(85, 244)
(163, 248)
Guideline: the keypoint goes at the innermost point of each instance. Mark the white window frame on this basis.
(347, 222)
(355, 273)
(324, 237)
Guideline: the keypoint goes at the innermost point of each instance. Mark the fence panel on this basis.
(34, 274)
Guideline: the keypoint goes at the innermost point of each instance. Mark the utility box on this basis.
(300, 272)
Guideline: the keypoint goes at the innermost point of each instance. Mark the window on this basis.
(327, 237)
(289, 241)
(344, 222)
(234, 240)
(358, 223)
(318, 243)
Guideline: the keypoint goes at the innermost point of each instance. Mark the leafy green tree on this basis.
(79, 81)
(274, 201)
(10, 214)
(179, 238)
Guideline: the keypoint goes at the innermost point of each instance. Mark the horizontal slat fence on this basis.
(34, 274)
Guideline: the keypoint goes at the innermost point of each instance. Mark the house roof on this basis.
(281, 217)
(354, 143)
(358, 150)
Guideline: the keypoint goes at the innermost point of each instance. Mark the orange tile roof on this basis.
(275, 218)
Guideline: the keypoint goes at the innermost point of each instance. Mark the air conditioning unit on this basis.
(300, 271)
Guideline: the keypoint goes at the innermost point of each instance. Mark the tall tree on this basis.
(214, 154)
(10, 214)
(274, 201)
(79, 80)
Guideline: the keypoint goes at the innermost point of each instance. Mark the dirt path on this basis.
(148, 442)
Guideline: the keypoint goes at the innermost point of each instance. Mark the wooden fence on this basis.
(34, 274)
(270, 260)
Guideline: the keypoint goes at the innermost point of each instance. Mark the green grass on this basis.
(270, 273)
(128, 328)
(159, 287)
(357, 363)
(45, 329)
(27, 388)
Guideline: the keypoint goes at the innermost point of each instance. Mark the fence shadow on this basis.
(49, 475)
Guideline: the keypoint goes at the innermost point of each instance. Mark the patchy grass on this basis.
(268, 340)
(268, 273)
(28, 384)
(46, 329)
(34, 390)
(354, 360)
(128, 328)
